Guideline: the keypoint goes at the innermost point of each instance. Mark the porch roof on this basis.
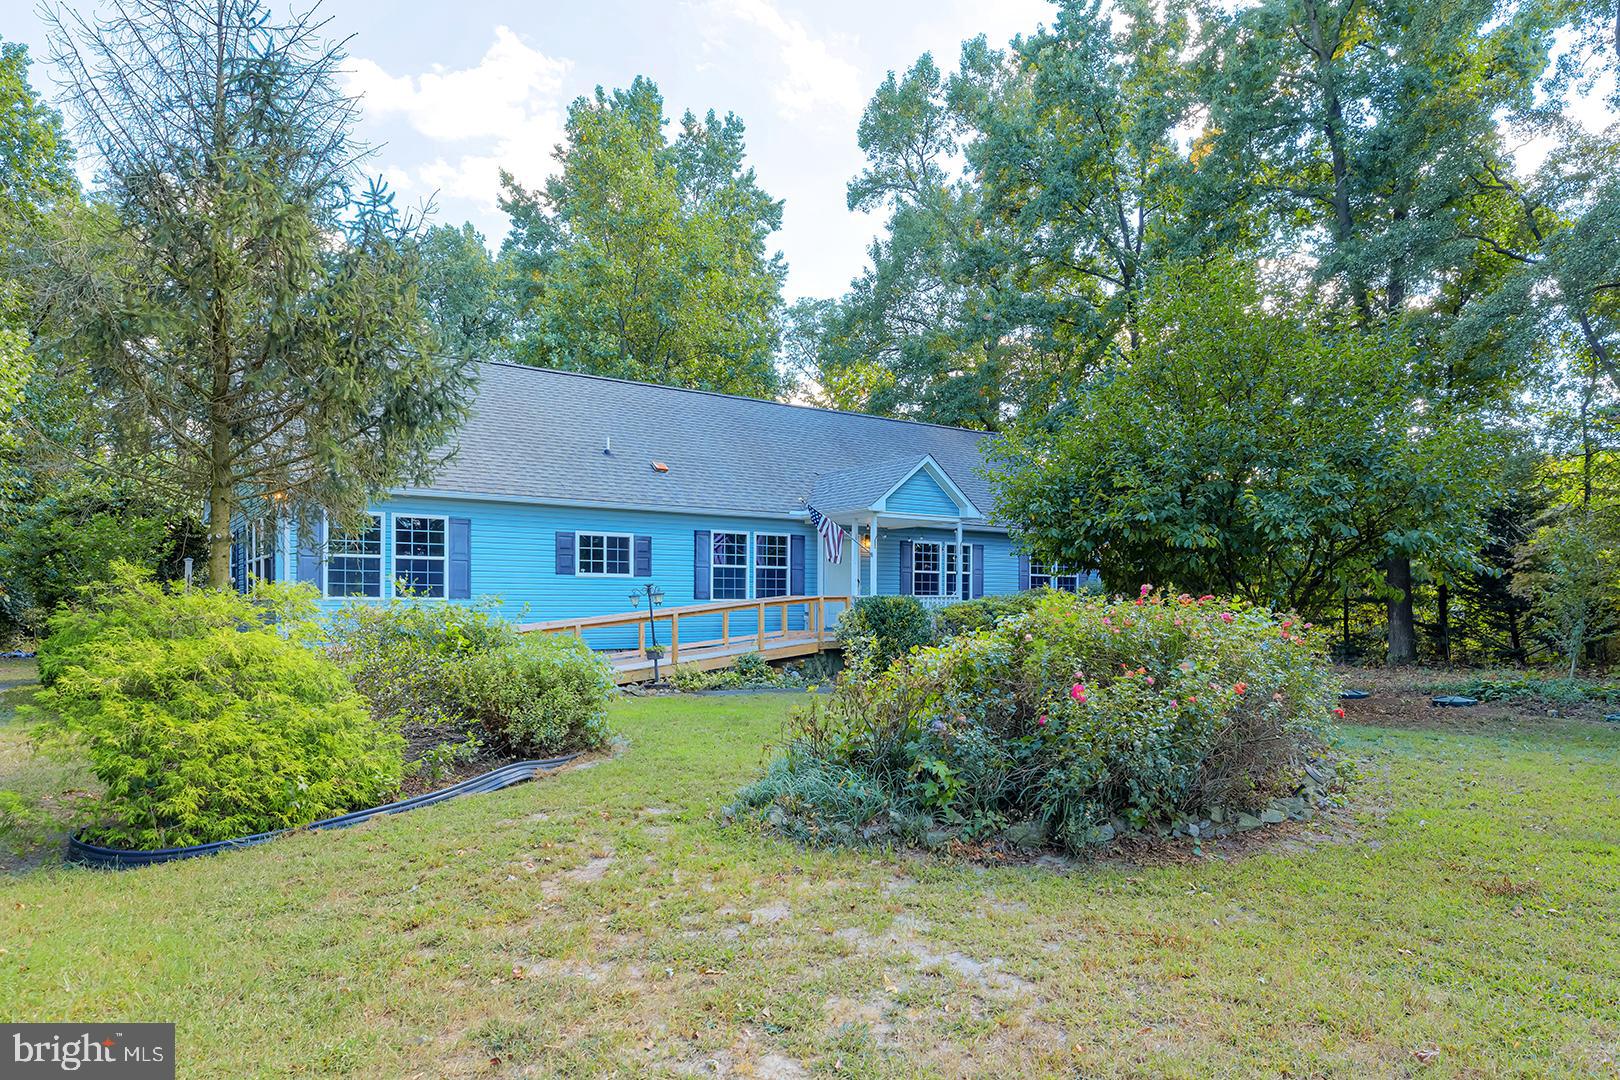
(868, 487)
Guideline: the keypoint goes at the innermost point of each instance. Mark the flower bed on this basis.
(1064, 725)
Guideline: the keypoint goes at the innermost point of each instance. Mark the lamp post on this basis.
(655, 597)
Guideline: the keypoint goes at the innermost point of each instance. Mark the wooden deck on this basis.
(811, 636)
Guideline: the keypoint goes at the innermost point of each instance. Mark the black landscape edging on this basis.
(87, 854)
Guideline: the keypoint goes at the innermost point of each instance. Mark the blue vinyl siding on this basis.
(514, 561)
(1000, 560)
(921, 495)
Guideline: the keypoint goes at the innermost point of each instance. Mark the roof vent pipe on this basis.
(607, 446)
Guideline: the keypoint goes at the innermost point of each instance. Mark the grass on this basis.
(601, 922)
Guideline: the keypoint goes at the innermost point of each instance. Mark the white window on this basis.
(963, 586)
(261, 551)
(927, 575)
(420, 550)
(602, 555)
(728, 566)
(253, 553)
(1042, 577)
(770, 564)
(354, 560)
(934, 568)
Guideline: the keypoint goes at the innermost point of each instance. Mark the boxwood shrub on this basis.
(540, 695)
(206, 716)
(1066, 722)
(452, 675)
(881, 629)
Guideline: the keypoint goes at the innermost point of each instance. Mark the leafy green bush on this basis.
(205, 720)
(981, 614)
(750, 669)
(410, 661)
(543, 694)
(881, 629)
(1070, 720)
(1556, 690)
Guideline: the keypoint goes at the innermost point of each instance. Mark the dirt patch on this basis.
(593, 870)
(904, 937)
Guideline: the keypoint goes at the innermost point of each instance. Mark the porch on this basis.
(803, 626)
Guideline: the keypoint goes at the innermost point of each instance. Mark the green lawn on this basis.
(601, 921)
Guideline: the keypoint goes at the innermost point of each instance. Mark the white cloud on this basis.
(810, 77)
(507, 111)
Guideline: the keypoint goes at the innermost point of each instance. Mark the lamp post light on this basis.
(655, 597)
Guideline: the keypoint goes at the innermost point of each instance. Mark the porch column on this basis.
(961, 564)
(871, 557)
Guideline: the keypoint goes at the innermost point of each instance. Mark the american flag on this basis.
(832, 535)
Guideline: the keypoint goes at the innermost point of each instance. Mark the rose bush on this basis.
(1077, 714)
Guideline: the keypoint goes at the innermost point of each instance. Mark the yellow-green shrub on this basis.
(205, 720)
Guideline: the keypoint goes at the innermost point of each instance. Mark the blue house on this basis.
(566, 492)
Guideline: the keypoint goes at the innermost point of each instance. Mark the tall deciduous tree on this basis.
(646, 258)
(36, 175)
(466, 293)
(251, 327)
(1246, 447)
(1352, 131)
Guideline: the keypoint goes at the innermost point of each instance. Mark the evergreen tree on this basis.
(250, 328)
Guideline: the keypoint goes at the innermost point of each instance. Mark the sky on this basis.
(456, 91)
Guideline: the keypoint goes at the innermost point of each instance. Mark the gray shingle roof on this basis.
(539, 434)
(861, 486)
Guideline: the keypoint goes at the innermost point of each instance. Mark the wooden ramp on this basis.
(779, 628)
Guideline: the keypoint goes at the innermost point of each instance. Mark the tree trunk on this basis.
(1515, 638)
(1442, 619)
(1402, 636)
(219, 536)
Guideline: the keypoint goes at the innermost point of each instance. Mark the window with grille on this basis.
(927, 566)
(770, 565)
(964, 587)
(729, 567)
(1042, 577)
(603, 555)
(354, 560)
(419, 556)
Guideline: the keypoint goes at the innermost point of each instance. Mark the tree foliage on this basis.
(646, 258)
(250, 326)
(1247, 448)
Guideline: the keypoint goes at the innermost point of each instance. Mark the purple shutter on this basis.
(565, 554)
(643, 556)
(1023, 573)
(796, 565)
(460, 577)
(905, 568)
(976, 583)
(309, 555)
(702, 563)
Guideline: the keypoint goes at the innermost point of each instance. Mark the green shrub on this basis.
(203, 719)
(1076, 714)
(410, 660)
(981, 614)
(881, 629)
(543, 694)
(753, 669)
(1557, 690)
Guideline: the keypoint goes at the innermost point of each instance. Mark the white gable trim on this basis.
(964, 505)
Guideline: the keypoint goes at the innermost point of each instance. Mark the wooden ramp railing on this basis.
(786, 641)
